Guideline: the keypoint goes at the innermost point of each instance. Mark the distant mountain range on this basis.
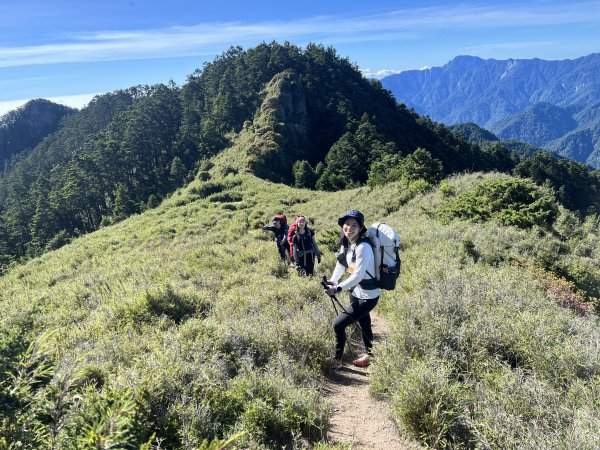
(550, 104)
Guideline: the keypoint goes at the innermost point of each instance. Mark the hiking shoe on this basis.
(363, 361)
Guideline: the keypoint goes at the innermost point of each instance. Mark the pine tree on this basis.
(304, 175)
(123, 205)
(422, 165)
(177, 173)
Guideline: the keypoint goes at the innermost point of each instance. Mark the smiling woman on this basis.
(355, 257)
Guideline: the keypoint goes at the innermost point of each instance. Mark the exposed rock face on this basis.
(286, 100)
(279, 127)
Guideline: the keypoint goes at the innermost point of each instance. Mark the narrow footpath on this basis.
(359, 420)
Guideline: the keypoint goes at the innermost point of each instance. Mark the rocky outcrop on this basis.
(279, 128)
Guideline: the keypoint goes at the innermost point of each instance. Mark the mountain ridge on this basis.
(507, 97)
(304, 116)
(127, 150)
(160, 315)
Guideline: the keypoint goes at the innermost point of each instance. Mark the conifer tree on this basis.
(304, 175)
(422, 165)
(123, 205)
(177, 172)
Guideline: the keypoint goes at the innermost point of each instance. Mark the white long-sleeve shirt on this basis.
(365, 260)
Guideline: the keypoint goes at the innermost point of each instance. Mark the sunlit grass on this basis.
(185, 323)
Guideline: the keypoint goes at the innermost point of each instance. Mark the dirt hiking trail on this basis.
(359, 420)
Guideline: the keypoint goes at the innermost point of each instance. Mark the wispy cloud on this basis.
(212, 38)
(379, 74)
(8, 81)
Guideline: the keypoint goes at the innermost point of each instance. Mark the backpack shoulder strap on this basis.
(360, 240)
(341, 257)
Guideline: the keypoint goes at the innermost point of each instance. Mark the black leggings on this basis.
(283, 248)
(306, 264)
(358, 311)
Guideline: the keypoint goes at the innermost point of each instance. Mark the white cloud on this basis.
(74, 101)
(380, 73)
(211, 38)
(9, 105)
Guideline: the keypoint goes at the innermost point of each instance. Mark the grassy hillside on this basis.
(180, 325)
(315, 120)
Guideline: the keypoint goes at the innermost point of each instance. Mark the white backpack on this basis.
(386, 245)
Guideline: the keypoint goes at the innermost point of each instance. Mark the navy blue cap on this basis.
(355, 214)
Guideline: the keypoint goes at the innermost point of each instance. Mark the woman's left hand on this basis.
(331, 290)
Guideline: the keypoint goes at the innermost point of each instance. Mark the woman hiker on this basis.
(304, 247)
(356, 257)
(280, 231)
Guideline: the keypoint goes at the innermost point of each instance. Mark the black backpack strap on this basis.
(341, 257)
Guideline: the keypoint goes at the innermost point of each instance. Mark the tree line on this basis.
(130, 148)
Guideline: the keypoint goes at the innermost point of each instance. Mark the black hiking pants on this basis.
(283, 248)
(358, 311)
(305, 264)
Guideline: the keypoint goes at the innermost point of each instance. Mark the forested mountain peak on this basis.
(470, 89)
(474, 133)
(301, 116)
(537, 125)
(26, 126)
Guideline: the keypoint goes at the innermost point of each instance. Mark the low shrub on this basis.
(511, 201)
(174, 305)
(430, 405)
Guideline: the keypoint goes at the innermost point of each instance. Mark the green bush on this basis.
(224, 197)
(582, 274)
(174, 305)
(511, 201)
(207, 188)
(430, 406)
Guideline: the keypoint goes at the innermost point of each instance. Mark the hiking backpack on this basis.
(386, 246)
(290, 238)
(282, 218)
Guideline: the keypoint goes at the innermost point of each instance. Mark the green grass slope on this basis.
(179, 326)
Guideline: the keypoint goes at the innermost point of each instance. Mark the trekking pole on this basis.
(334, 299)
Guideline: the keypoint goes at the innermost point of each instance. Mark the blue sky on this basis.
(69, 50)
